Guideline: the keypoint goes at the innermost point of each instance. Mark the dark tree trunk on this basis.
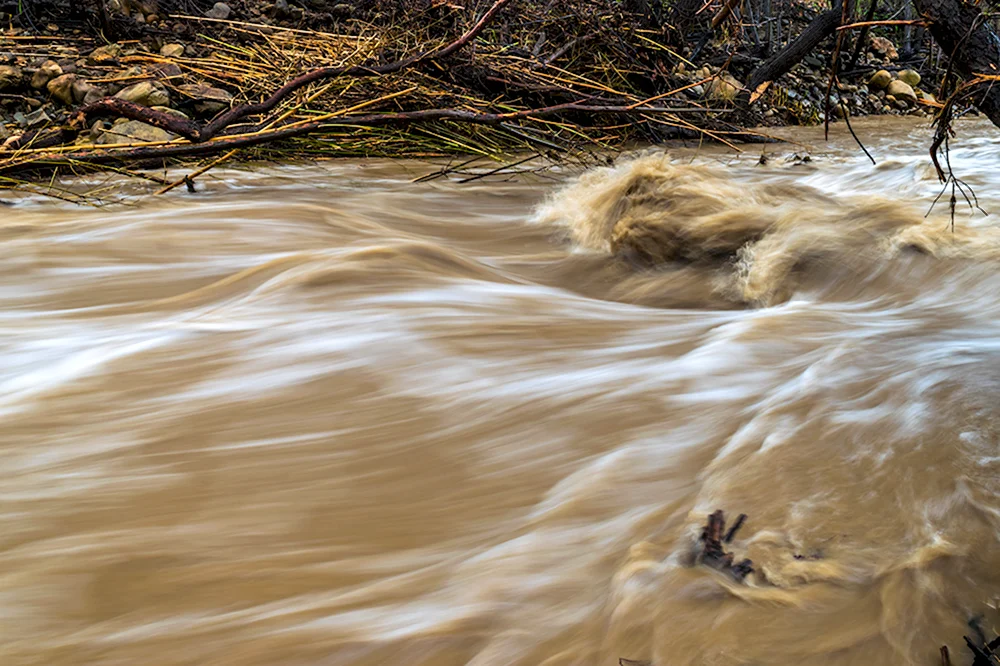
(966, 38)
(781, 62)
(859, 46)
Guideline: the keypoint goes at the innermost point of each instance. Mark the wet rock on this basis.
(884, 47)
(152, 18)
(909, 77)
(61, 88)
(104, 55)
(220, 11)
(172, 50)
(166, 70)
(48, 71)
(81, 90)
(880, 79)
(146, 93)
(93, 94)
(172, 112)
(724, 88)
(98, 128)
(133, 131)
(34, 103)
(902, 91)
(206, 99)
(36, 118)
(10, 77)
(926, 97)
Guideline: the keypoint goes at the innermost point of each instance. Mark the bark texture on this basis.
(966, 37)
(781, 62)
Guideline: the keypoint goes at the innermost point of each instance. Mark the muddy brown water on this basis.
(324, 415)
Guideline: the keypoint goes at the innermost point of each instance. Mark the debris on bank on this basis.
(559, 79)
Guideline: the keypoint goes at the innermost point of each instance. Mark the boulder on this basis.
(902, 91)
(220, 11)
(172, 50)
(104, 55)
(880, 79)
(48, 71)
(61, 88)
(146, 93)
(909, 77)
(10, 77)
(133, 131)
(724, 88)
(206, 99)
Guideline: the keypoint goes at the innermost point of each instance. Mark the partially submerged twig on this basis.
(712, 552)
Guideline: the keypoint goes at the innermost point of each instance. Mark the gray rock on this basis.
(80, 90)
(61, 88)
(220, 11)
(10, 77)
(48, 71)
(133, 131)
(93, 94)
(172, 50)
(36, 118)
(146, 93)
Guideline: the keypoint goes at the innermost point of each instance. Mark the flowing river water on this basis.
(326, 415)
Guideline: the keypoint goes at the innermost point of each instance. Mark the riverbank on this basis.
(194, 66)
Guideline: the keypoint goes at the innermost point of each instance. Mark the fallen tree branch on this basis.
(198, 133)
(777, 65)
(714, 555)
(49, 161)
(189, 178)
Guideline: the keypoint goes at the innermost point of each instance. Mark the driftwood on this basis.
(713, 553)
(782, 62)
(227, 143)
(197, 133)
(984, 652)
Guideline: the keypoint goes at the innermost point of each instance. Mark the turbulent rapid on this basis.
(328, 415)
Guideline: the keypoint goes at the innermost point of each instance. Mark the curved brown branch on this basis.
(200, 133)
(131, 155)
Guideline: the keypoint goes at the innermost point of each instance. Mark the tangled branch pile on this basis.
(547, 77)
